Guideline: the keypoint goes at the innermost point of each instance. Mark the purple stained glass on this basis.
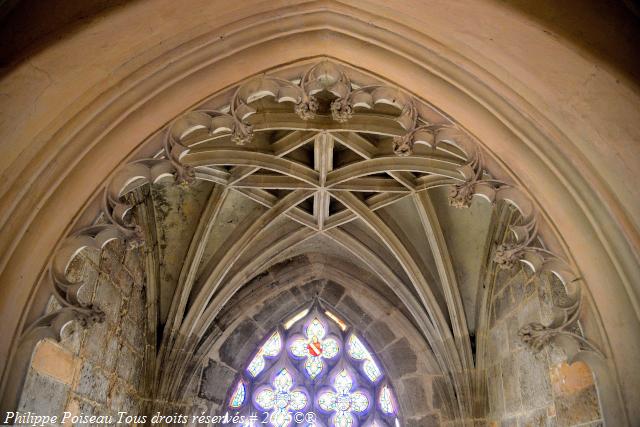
(326, 363)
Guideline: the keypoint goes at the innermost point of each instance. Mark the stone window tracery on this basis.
(314, 364)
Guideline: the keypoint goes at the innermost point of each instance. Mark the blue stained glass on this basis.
(330, 348)
(237, 398)
(313, 366)
(314, 349)
(315, 329)
(358, 351)
(257, 365)
(266, 398)
(299, 348)
(343, 419)
(281, 399)
(280, 418)
(283, 380)
(386, 401)
(371, 370)
(343, 382)
(343, 401)
(271, 348)
(273, 345)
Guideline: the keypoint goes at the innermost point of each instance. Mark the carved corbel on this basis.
(127, 188)
(561, 331)
(520, 245)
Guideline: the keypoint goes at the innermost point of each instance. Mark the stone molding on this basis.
(194, 128)
(514, 123)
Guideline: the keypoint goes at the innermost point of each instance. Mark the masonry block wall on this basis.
(526, 389)
(97, 371)
(243, 325)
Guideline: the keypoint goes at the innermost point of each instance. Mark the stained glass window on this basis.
(313, 347)
(315, 364)
(358, 351)
(237, 398)
(386, 401)
(270, 348)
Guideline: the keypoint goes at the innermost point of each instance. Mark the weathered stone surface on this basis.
(289, 264)
(238, 347)
(581, 407)
(43, 395)
(216, 380)
(399, 358)
(502, 279)
(529, 312)
(111, 353)
(379, 335)
(108, 299)
(95, 341)
(133, 334)
(275, 308)
(440, 398)
(576, 399)
(137, 305)
(121, 399)
(332, 292)
(308, 291)
(418, 399)
(510, 384)
(502, 303)
(517, 290)
(126, 364)
(51, 359)
(533, 374)
(495, 390)
(513, 325)
(354, 312)
(537, 418)
(71, 337)
(134, 261)
(497, 345)
(92, 383)
(431, 420)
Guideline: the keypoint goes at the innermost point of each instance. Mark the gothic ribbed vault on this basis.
(433, 214)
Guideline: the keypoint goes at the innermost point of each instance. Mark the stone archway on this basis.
(568, 208)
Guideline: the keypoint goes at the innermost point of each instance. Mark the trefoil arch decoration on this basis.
(314, 370)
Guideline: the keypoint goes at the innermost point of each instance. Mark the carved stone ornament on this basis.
(328, 80)
(324, 92)
(561, 332)
(118, 200)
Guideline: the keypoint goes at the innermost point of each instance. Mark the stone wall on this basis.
(526, 389)
(97, 371)
(244, 323)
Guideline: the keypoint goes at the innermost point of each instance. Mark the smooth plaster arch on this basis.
(480, 99)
